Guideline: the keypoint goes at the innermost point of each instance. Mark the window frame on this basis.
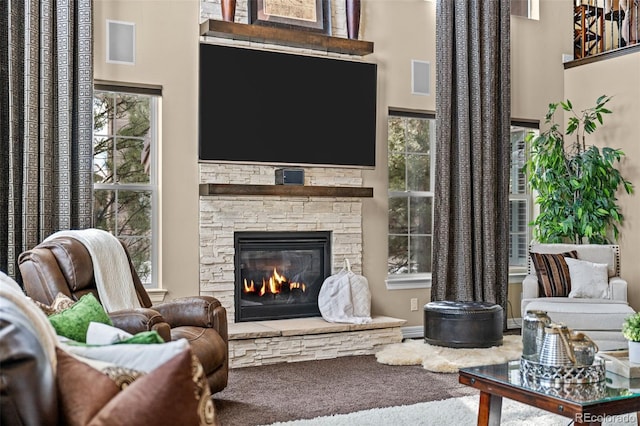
(416, 280)
(155, 100)
(423, 280)
(527, 125)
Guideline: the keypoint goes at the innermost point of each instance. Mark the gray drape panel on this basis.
(471, 250)
(46, 102)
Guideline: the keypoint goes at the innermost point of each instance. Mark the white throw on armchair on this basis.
(597, 303)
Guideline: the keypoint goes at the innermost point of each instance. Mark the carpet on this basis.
(308, 389)
(441, 359)
(454, 411)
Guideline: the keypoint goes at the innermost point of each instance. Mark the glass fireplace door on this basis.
(279, 274)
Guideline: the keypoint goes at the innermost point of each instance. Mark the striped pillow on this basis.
(553, 273)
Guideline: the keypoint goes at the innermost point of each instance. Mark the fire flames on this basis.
(275, 284)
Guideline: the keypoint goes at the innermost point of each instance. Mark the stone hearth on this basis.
(307, 339)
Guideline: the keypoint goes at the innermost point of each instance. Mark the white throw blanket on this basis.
(110, 267)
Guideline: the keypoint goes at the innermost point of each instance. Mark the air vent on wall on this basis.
(121, 40)
(420, 76)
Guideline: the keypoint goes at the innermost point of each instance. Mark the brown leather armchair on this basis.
(63, 265)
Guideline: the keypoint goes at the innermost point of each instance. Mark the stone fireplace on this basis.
(241, 210)
(242, 200)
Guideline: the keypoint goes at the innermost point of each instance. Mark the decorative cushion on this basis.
(74, 321)
(141, 357)
(60, 303)
(175, 393)
(103, 334)
(553, 273)
(588, 279)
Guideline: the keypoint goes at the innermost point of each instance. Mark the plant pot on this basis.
(634, 352)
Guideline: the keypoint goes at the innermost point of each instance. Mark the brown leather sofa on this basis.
(63, 265)
(28, 394)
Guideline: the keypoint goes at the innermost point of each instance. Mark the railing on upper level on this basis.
(604, 25)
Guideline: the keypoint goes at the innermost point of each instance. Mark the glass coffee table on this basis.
(584, 403)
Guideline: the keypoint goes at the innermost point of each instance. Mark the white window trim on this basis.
(155, 193)
(422, 280)
(408, 281)
(157, 295)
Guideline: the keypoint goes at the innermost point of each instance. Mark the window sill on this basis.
(516, 276)
(408, 283)
(157, 295)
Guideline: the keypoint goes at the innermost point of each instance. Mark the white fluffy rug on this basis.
(448, 360)
(449, 412)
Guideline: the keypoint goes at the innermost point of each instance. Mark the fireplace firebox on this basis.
(278, 275)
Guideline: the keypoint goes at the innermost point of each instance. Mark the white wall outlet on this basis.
(414, 304)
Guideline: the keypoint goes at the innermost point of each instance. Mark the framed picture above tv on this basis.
(282, 108)
(306, 15)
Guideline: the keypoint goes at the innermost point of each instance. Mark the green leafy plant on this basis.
(631, 328)
(576, 184)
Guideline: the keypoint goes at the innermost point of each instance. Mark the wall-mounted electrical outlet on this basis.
(414, 304)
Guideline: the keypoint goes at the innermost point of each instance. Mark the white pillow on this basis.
(588, 280)
(103, 334)
(139, 357)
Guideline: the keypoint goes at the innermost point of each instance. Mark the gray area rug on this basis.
(449, 412)
(304, 390)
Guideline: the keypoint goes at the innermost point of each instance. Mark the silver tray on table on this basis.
(531, 369)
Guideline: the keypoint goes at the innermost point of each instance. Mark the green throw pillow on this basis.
(144, 337)
(73, 323)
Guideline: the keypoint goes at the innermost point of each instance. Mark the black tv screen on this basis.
(272, 107)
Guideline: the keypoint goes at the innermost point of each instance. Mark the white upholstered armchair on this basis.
(580, 286)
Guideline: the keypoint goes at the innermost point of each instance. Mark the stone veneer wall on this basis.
(310, 347)
(221, 216)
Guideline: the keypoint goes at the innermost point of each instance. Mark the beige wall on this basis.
(167, 37)
(618, 77)
(166, 55)
(401, 31)
(536, 58)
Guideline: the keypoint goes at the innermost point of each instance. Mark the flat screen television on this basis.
(281, 108)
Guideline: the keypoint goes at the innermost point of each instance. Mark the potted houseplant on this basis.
(631, 332)
(576, 185)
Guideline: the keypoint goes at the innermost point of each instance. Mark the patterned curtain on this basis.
(471, 250)
(46, 98)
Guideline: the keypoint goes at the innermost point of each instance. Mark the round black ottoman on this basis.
(463, 324)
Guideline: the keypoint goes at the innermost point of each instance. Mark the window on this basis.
(410, 139)
(124, 172)
(520, 200)
(411, 194)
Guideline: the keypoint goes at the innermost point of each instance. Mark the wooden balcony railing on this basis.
(604, 25)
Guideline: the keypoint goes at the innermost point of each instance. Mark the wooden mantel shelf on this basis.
(284, 36)
(285, 190)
